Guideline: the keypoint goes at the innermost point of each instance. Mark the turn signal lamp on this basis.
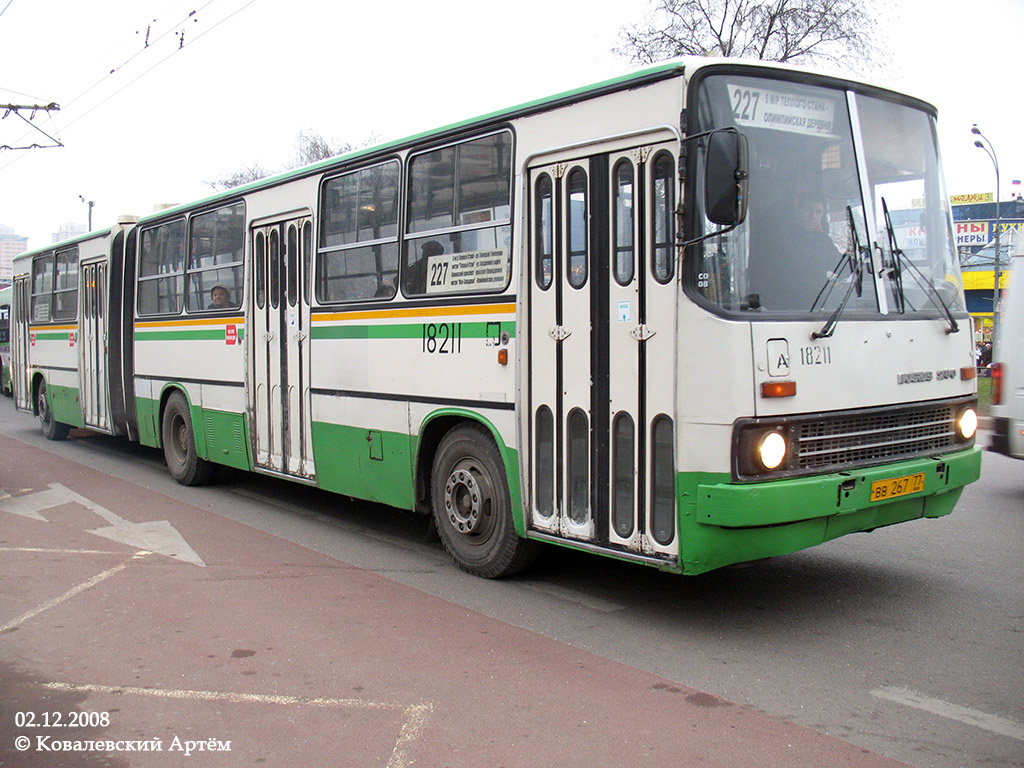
(778, 389)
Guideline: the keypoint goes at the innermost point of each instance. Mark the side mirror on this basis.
(726, 177)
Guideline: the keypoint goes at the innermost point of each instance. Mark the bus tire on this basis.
(472, 508)
(179, 442)
(52, 429)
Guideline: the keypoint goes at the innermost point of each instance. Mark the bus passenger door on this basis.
(560, 349)
(601, 326)
(92, 345)
(641, 354)
(20, 340)
(279, 348)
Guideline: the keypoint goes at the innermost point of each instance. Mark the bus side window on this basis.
(65, 286)
(162, 269)
(458, 233)
(42, 288)
(358, 250)
(216, 245)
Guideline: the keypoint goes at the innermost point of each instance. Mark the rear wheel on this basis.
(471, 505)
(183, 461)
(53, 429)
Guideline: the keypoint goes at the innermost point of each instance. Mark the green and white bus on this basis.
(665, 318)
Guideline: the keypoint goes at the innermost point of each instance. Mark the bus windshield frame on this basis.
(846, 211)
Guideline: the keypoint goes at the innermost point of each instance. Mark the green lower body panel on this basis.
(365, 463)
(220, 436)
(721, 522)
(64, 405)
(224, 436)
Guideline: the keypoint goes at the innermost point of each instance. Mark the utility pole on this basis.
(15, 109)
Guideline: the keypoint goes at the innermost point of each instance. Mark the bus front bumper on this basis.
(737, 522)
(786, 501)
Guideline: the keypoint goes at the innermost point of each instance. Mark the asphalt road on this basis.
(907, 641)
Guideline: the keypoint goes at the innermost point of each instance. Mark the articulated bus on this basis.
(667, 318)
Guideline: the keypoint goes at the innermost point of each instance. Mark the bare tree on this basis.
(309, 146)
(838, 32)
(254, 172)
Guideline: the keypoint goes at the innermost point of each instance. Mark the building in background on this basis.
(68, 231)
(10, 246)
(974, 219)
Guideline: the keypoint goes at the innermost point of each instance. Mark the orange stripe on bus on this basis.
(384, 314)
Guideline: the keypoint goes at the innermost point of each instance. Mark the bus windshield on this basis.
(846, 207)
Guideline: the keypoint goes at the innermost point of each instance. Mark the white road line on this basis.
(1001, 725)
(48, 551)
(414, 717)
(70, 593)
(234, 698)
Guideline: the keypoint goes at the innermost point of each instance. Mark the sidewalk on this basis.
(268, 653)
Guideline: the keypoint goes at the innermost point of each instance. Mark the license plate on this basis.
(894, 487)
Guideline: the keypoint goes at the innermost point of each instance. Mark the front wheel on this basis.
(183, 461)
(471, 506)
(53, 429)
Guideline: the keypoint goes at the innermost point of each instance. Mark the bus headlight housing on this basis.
(762, 448)
(772, 450)
(967, 423)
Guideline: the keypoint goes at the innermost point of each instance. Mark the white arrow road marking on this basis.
(157, 536)
(31, 505)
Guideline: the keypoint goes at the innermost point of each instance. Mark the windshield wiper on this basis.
(899, 263)
(856, 261)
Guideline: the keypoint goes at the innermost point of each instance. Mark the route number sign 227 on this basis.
(809, 112)
(744, 104)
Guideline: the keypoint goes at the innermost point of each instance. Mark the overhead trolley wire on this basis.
(172, 29)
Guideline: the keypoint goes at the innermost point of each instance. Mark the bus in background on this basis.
(1008, 363)
(5, 340)
(66, 347)
(514, 324)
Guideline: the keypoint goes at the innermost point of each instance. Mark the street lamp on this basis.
(983, 143)
(91, 203)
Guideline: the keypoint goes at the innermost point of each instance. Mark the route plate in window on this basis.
(893, 487)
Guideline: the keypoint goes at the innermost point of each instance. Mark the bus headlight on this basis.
(771, 450)
(967, 423)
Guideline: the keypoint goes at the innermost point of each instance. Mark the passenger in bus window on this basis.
(220, 297)
(416, 272)
(385, 287)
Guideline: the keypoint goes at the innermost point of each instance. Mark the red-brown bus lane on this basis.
(136, 630)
